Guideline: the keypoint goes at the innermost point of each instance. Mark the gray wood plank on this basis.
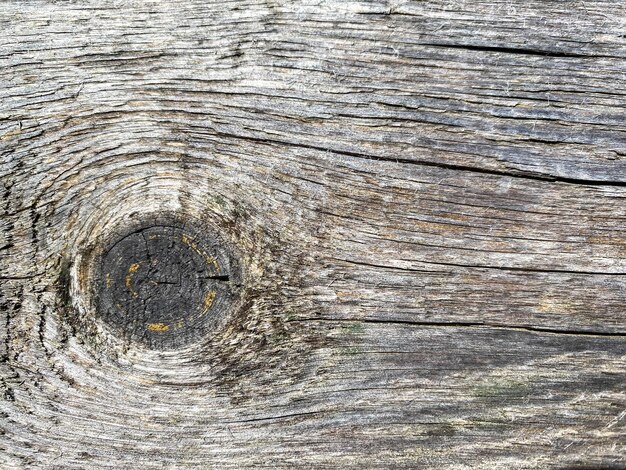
(427, 200)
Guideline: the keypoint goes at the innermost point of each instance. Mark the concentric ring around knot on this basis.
(164, 286)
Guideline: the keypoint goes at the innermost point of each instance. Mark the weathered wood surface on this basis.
(429, 202)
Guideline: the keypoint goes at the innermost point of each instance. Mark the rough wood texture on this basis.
(428, 200)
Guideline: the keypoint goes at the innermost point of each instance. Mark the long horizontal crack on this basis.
(269, 418)
(447, 166)
(527, 328)
(478, 266)
(526, 269)
(518, 50)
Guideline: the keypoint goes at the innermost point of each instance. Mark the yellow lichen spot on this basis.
(129, 278)
(108, 280)
(160, 327)
(187, 240)
(208, 299)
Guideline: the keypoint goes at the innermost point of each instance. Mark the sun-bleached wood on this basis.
(428, 200)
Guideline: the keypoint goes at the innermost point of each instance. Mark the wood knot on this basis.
(164, 285)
